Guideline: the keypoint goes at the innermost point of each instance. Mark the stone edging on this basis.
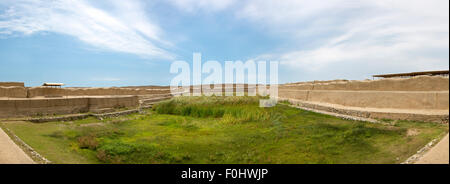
(59, 118)
(342, 116)
(35, 156)
(419, 154)
(115, 114)
(364, 114)
(84, 116)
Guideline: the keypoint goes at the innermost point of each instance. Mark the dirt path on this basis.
(10, 153)
(438, 154)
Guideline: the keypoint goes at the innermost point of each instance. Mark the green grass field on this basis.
(225, 130)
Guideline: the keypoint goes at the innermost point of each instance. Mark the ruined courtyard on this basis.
(423, 99)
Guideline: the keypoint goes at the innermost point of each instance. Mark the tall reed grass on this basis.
(231, 109)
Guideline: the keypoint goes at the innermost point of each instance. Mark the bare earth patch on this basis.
(439, 154)
(10, 153)
(412, 132)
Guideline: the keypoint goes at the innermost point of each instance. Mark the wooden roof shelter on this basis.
(412, 74)
(48, 84)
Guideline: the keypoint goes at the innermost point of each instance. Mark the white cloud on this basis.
(399, 34)
(203, 5)
(128, 30)
(287, 11)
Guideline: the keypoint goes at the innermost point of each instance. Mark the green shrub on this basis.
(87, 142)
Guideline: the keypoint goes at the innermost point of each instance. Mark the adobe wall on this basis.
(13, 92)
(374, 99)
(146, 87)
(419, 83)
(112, 102)
(422, 92)
(10, 84)
(43, 91)
(34, 107)
(53, 106)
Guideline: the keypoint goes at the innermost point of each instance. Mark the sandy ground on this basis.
(439, 154)
(10, 153)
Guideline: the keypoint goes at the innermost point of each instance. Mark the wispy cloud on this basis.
(202, 5)
(398, 34)
(126, 30)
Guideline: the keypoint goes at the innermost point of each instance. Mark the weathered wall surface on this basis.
(375, 99)
(147, 87)
(20, 101)
(112, 102)
(422, 92)
(43, 91)
(294, 94)
(34, 107)
(50, 106)
(9, 84)
(420, 83)
(13, 92)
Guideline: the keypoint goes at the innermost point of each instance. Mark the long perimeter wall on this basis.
(438, 100)
(43, 91)
(52, 106)
(423, 92)
(23, 92)
(19, 101)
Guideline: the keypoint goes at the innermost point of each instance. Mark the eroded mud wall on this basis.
(11, 84)
(43, 91)
(13, 92)
(53, 106)
(423, 92)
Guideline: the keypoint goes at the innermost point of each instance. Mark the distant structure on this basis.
(56, 85)
(444, 73)
(11, 84)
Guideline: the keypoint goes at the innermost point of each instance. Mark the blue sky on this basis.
(117, 43)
